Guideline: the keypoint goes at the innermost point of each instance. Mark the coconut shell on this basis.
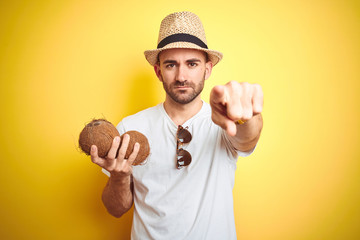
(137, 137)
(98, 132)
(101, 133)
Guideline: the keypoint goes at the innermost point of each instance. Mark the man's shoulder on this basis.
(155, 110)
(143, 116)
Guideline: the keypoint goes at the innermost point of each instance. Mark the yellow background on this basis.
(63, 63)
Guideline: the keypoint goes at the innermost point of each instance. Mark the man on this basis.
(184, 191)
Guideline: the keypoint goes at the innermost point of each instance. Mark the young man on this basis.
(184, 191)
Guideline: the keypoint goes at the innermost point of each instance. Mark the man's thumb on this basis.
(230, 128)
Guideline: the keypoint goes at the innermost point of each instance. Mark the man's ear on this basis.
(158, 71)
(208, 69)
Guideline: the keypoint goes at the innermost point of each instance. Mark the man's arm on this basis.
(118, 192)
(118, 196)
(237, 107)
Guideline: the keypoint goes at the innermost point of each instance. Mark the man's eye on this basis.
(192, 64)
(170, 65)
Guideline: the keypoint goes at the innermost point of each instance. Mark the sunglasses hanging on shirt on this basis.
(183, 157)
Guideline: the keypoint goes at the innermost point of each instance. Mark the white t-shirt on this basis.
(194, 202)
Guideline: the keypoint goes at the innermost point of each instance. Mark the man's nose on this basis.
(181, 74)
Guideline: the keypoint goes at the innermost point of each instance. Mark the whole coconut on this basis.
(98, 132)
(137, 137)
(101, 133)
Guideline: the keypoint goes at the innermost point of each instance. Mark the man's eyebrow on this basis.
(193, 60)
(174, 61)
(169, 61)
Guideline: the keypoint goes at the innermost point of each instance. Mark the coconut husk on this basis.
(99, 132)
(137, 137)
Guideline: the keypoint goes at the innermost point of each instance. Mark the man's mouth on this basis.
(181, 85)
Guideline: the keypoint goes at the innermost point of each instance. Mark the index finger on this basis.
(114, 148)
(218, 95)
(95, 157)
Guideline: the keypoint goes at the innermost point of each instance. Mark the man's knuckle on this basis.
(245, 86)
(232, 84)
(95, 160)
(247, 115)
(122, 152)
(110, 168)
(257, 88)
(235, 115)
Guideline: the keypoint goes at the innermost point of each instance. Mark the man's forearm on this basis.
(247, 134)
(118, 195)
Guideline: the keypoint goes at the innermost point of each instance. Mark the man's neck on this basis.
(180, 113)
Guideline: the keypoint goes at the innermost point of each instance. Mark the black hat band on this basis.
(181, 37)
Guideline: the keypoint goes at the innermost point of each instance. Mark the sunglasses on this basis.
(183, 157)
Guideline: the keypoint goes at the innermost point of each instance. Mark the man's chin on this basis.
(183, 96)
(182, 99)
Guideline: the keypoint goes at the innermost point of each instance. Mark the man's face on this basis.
(183, 72)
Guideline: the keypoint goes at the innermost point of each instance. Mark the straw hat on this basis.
(182, 30)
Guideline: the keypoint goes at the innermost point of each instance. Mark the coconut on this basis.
(101, 133)
(137, 137)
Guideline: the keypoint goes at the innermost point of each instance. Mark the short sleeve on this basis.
(121, 128)
(230, 148)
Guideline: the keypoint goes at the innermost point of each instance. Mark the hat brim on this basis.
(152, 55)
